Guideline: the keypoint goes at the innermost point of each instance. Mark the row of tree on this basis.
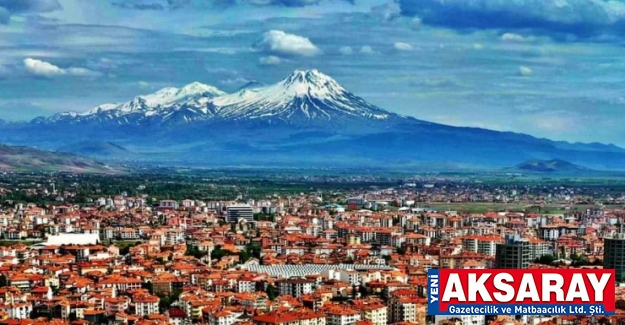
(577, 260)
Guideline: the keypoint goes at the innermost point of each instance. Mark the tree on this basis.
(363, 291)
(271, 292)
(218, 253)
(164, 302)
(167, 300)
(125, 250)
(579, 260)
(264, 217)
(148, 286)
(253, 250)
(545, 259)
(195, 252)
(244, 256)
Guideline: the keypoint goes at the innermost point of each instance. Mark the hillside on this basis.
(24, 159)
(550, 166)
(95, 149)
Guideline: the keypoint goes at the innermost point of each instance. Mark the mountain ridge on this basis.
(303, 96)
(306, 118)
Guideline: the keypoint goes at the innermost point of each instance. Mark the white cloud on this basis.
(49, 70)
(367, 50)
(400, 46)
(42, 68)
(235, 81)
(511, 37)
(82, 72)
(143, 84)
(104, 64)
(477, 46)
(346, 50)
(525, 71)
(280, 43)
(269, 60)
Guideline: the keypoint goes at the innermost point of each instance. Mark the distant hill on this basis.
(25, 159)
(550, 166)
(95, 149)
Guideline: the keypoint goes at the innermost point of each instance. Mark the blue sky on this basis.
(550, 68)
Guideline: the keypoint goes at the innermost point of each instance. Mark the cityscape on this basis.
(74, 250)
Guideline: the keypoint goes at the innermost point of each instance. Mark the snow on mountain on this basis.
(165, 98)
(166, 103)
(100, 109)
(300, 98)
(306, 95)
(252, 85)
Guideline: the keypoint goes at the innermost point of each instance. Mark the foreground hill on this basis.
(24, 159)
(306, 119)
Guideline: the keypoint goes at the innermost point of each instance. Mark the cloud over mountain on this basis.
(401, 46)
(278, 42)
(578, 17)
(269, 60)
(49, 70)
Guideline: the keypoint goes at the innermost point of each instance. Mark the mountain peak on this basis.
(301, 97)
(198, 88)
(309, 76)
(307, 73)
(310, 82)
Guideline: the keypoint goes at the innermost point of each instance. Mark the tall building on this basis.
(295, 287)
(614, 255)
(238, 212)
(515, 253)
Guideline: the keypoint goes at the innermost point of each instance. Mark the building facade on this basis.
(614, 255)
(515, 253)
(240, 212)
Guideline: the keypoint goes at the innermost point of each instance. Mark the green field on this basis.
(481, 207)
(6, 242)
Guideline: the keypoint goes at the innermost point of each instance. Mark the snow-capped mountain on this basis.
(301, 98)
(307, 119)
(188, 103)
